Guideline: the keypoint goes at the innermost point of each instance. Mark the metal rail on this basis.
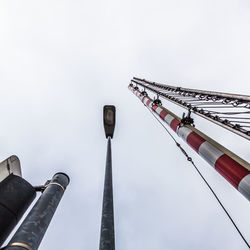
(217, 104)
(244, 98)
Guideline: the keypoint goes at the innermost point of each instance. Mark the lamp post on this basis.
(107, 238)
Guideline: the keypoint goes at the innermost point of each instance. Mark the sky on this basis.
(62, 61)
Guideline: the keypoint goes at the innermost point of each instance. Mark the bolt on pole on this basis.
(31, 232)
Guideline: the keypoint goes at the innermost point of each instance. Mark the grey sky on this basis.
(61, 61)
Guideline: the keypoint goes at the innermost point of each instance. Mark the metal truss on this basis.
(230, 111)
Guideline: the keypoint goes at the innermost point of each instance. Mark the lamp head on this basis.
(109, 120)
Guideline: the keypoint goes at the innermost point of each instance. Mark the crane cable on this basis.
(203, 178)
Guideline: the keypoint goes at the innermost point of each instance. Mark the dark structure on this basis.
(109, 120)
(31, 232)
(16, 195)
(107, 238)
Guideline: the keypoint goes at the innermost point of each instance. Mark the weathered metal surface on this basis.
(16, 195)
(107, 239)
(33, 228)
(10, 166)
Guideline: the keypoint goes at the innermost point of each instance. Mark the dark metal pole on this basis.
(30, 234)
(16, 195)
(107, 239)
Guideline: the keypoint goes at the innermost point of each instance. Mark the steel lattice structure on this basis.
(230, 111)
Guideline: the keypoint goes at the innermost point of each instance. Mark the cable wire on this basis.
(203, 178)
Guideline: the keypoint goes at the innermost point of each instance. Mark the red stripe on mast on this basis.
(194, 140)
(163, 114)
(174, 124)
(231, 170)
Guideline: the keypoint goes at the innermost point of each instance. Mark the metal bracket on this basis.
(186, 119)
(41, 188)
(157, 101)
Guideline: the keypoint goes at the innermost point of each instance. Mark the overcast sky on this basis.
(61, 61)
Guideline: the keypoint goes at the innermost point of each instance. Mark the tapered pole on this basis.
(107, 239)
(30, 234)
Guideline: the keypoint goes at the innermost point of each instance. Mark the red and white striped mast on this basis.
(233, 168)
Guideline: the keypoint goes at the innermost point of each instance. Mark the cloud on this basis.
(61, 61)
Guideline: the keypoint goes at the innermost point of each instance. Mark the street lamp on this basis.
(107, 238)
